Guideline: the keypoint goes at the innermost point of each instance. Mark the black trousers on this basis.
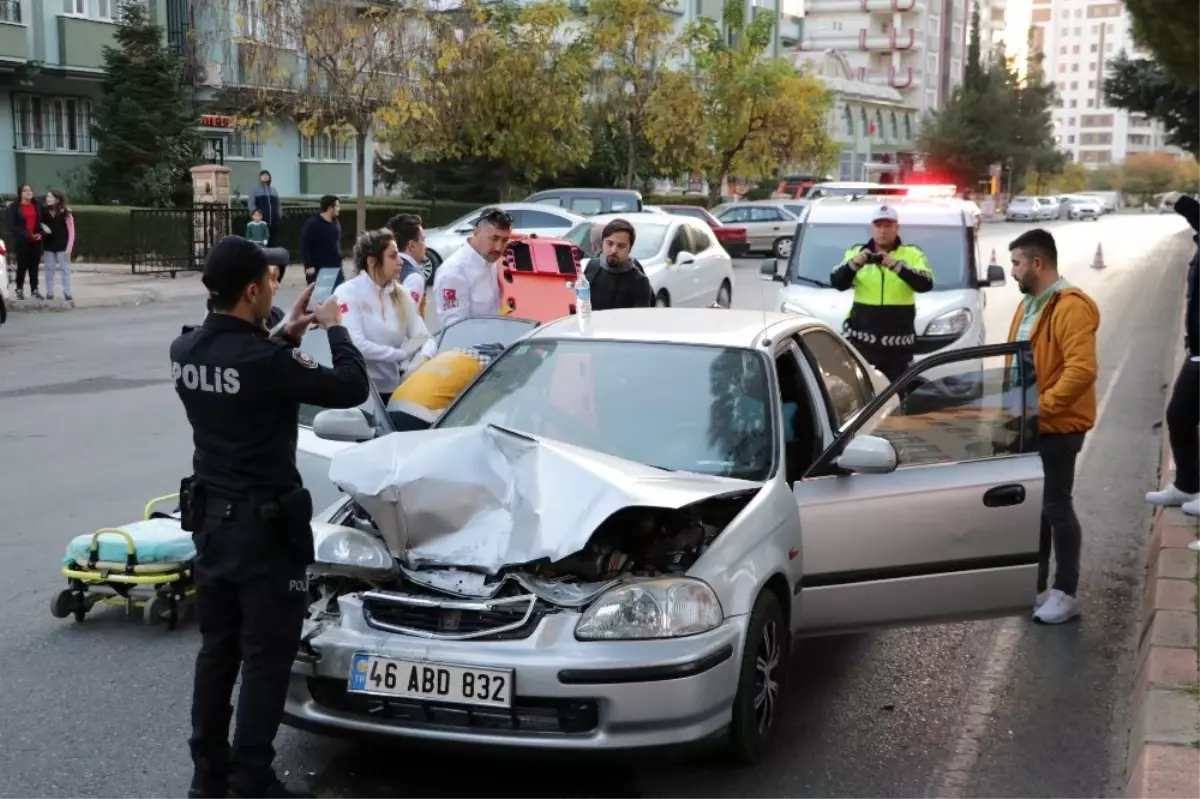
(28, 258)
(1060, 525)
(251, 598)
(893, 362)
(1183, 419)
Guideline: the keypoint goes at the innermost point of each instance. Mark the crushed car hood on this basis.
(484, 497)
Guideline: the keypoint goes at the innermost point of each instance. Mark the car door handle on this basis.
(1002, 496)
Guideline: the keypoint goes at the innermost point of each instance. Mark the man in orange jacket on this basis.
(1061, 322)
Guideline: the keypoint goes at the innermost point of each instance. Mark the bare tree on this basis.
(342, 68)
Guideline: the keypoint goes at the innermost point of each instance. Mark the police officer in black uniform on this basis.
(246, 508)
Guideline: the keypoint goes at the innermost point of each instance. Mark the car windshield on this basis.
(649, 239)
(713, 416)
(822, 247)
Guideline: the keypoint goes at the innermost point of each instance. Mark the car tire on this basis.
(725, 295)
(768, 642)
(782, 247)
(662, 299)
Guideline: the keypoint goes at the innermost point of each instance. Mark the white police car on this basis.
(948, 317)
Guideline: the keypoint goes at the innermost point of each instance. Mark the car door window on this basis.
(760, 214)
(801, 434)
(541, 220)
(555, 201)
(735, 215)
(587, 206)
(700, 239)
(847, 386)
(622, 206)
(679, 243)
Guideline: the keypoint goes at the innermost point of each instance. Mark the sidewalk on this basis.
(109, 285)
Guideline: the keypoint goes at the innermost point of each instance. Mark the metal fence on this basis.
(172, 240)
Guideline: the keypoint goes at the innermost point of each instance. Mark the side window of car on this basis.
(735, 215)
(587, 206)
(700, 240)
(847, 387)
(555, 201)
(622, 206)
(679, 242)
(761, 214)
(541, 219)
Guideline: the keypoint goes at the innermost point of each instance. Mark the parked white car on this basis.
(1049, 209)
(1079, 207)
(1023, 209)
(686, 264)
(528, 218)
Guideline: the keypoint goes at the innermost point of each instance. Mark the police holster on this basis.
(290, 516)
(193, 499)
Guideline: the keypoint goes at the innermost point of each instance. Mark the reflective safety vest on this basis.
(875, 284)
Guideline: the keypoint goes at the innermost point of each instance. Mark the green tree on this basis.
(1149, 174)
(1170, 29)
(144, 125)
(634, 42)
(338, 69)
(973, 71)
(507, 88)
(1143, 87)
(743, 114)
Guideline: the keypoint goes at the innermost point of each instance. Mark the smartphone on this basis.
(327, 280)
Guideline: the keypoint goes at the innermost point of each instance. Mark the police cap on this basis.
(231, 265)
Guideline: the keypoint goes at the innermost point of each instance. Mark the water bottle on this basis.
(583, 300)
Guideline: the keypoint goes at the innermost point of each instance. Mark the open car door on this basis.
(927, 507)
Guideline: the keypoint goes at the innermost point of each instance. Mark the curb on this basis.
(115, 299)
(1164, 741)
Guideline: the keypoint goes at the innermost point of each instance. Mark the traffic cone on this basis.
(1098, 261)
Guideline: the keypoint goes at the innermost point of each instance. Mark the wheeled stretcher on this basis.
(146, 564)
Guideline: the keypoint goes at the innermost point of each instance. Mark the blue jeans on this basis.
(63, 259)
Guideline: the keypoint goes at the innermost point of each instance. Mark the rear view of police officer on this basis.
(246, 508)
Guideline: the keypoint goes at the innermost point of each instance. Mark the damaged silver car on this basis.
(613, 538)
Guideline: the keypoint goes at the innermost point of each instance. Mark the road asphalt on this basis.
(90, 429)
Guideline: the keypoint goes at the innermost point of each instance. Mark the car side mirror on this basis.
(868, 455)
(685, 258)
(995, 275)
(342, 424)
(769, 271)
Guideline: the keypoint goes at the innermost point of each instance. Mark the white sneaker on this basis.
(1040, 600)
(1058, 608)
(1191, 508)
(1170, 497)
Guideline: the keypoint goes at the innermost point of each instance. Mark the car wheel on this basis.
(662, 300)
(763, 677)
(430, 267)
(783, 247)
(725, 295)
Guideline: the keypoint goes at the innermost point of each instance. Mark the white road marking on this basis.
(997, 663)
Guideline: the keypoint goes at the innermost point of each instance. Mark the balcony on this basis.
(14, 34)
(864, 6)
(81, 42)
(261, 65)
(895, 40)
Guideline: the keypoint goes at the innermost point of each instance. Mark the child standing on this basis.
(257, 231)
(59, 228)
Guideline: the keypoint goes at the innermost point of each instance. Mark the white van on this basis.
(948, 317)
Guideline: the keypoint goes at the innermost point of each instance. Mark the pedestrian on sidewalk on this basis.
(25, 233)
(321, 239)
(1183, 411)
(1061, 322)
(58, 226)
(266, 200)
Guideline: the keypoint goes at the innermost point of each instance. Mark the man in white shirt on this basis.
(467, 283)
(410, 239)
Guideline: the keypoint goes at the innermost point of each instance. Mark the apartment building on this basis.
(51, 67)
(1077, 39)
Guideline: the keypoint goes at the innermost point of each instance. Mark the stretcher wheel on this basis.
(155, 610)
(63, 604)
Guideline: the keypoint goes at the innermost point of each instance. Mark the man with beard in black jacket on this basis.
(616, 278)
(1183, 411)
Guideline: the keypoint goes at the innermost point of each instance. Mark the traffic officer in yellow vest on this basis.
(885, 274)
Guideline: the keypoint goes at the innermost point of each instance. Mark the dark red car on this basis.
(732, 237)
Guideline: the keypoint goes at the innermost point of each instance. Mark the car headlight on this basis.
(665, 608)
(351, 553)
(953, 323)
(791, 307)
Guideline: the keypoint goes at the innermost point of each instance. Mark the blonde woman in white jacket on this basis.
(383, 321)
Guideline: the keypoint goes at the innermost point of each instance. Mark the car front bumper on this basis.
(569, 694)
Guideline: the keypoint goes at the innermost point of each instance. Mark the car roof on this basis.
(948, 212)
(530, 207)
(577, 191)
(704, 326)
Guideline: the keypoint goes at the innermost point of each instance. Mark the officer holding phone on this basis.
(886, 275)
(246, 509)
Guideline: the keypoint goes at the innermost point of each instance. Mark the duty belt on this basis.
(908, 340)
